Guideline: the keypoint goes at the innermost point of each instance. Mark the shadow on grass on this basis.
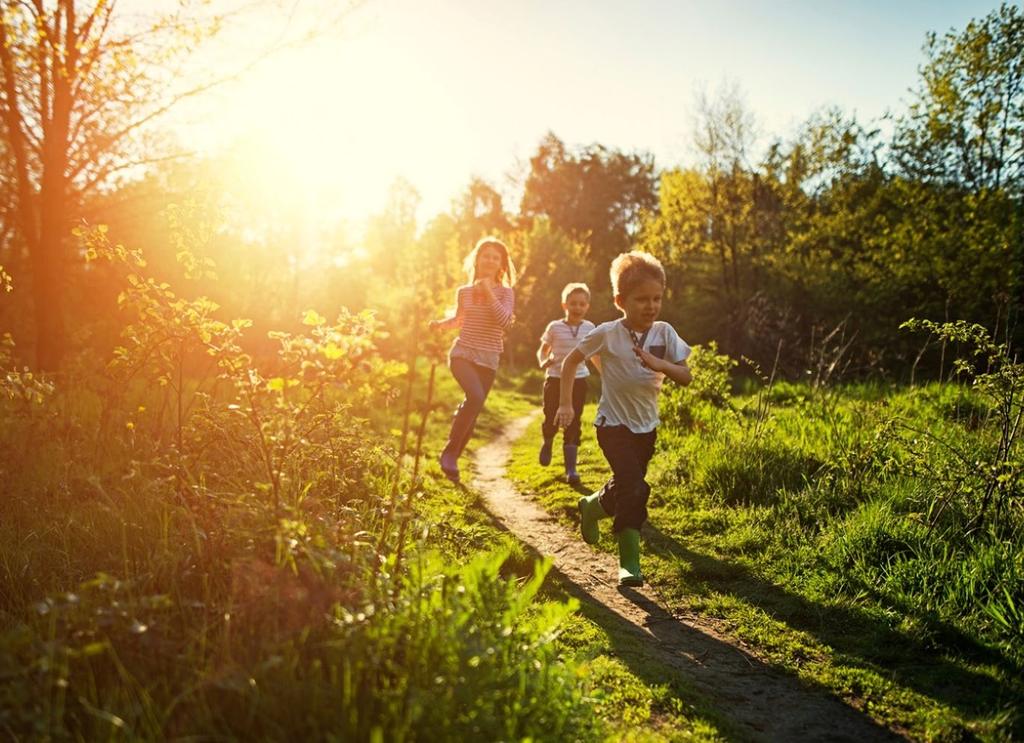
(559, 479)
(688, 661)
(714, 681)
(858, 638)
(582, 489)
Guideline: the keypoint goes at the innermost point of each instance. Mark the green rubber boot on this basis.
(591, 512)
(629, 558)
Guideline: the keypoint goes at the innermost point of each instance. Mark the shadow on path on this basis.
(755, 701)
(762, 703)
(863, 640)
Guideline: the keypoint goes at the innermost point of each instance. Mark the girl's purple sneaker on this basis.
(449, 468)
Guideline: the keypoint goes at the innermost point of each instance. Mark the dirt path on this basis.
(763, 703)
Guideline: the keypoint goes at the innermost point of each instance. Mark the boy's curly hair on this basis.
(631, 269)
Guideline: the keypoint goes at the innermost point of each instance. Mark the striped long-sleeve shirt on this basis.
(483, 320)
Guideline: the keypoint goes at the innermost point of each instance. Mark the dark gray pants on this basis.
(552, 392)
(625, 495)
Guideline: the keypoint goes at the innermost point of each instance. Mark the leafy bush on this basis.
(194, 542)
(985, 481)
(682, 407)
(461, 654)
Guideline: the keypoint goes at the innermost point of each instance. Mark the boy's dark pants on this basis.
(552, 390)
(625, 495)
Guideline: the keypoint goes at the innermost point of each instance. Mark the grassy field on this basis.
(149, 592)
(631, 699)
(244, 555)
(834, 535)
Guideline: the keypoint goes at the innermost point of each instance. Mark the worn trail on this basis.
(763, 703)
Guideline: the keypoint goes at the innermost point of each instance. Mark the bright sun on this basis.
(335, 125)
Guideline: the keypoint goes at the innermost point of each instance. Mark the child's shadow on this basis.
(863, 638)
(580, 487)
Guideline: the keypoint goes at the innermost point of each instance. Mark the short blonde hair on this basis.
(572, 288)
(506, 276)
(631, 269)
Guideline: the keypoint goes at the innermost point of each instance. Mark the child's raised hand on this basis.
(564, 416)
(649, 360)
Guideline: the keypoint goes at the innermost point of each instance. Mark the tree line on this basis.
(807, 253)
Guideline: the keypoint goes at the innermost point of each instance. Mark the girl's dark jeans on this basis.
(552, 391)
(476, 382)
(625, 495)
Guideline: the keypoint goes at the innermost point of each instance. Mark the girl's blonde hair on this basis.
(576, 286)
(507, 274)
(631, 269)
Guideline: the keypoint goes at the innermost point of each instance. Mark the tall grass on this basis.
(893, 492)
(196, 543)
(462, 653)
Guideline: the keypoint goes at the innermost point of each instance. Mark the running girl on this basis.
(484, 309)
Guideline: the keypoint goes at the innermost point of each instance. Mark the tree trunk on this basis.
(48, 256)
(47, 298)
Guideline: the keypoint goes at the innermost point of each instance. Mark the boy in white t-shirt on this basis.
(559, 338)
(637, 352)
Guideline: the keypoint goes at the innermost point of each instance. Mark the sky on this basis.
(437, 92)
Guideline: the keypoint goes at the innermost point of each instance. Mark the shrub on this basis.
(248, 579)
(986, 481)
(680, 406)
(754, 472)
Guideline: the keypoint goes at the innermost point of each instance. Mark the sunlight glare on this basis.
(332, 127)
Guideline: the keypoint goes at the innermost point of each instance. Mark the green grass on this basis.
(135, 609)
(637, 697)
(807, 541)
(633, 701)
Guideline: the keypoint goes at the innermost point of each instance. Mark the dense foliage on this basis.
(198, 543)
(784, 239)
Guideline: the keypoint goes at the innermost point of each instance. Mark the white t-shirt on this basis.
(563, 337)
(629, 390)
